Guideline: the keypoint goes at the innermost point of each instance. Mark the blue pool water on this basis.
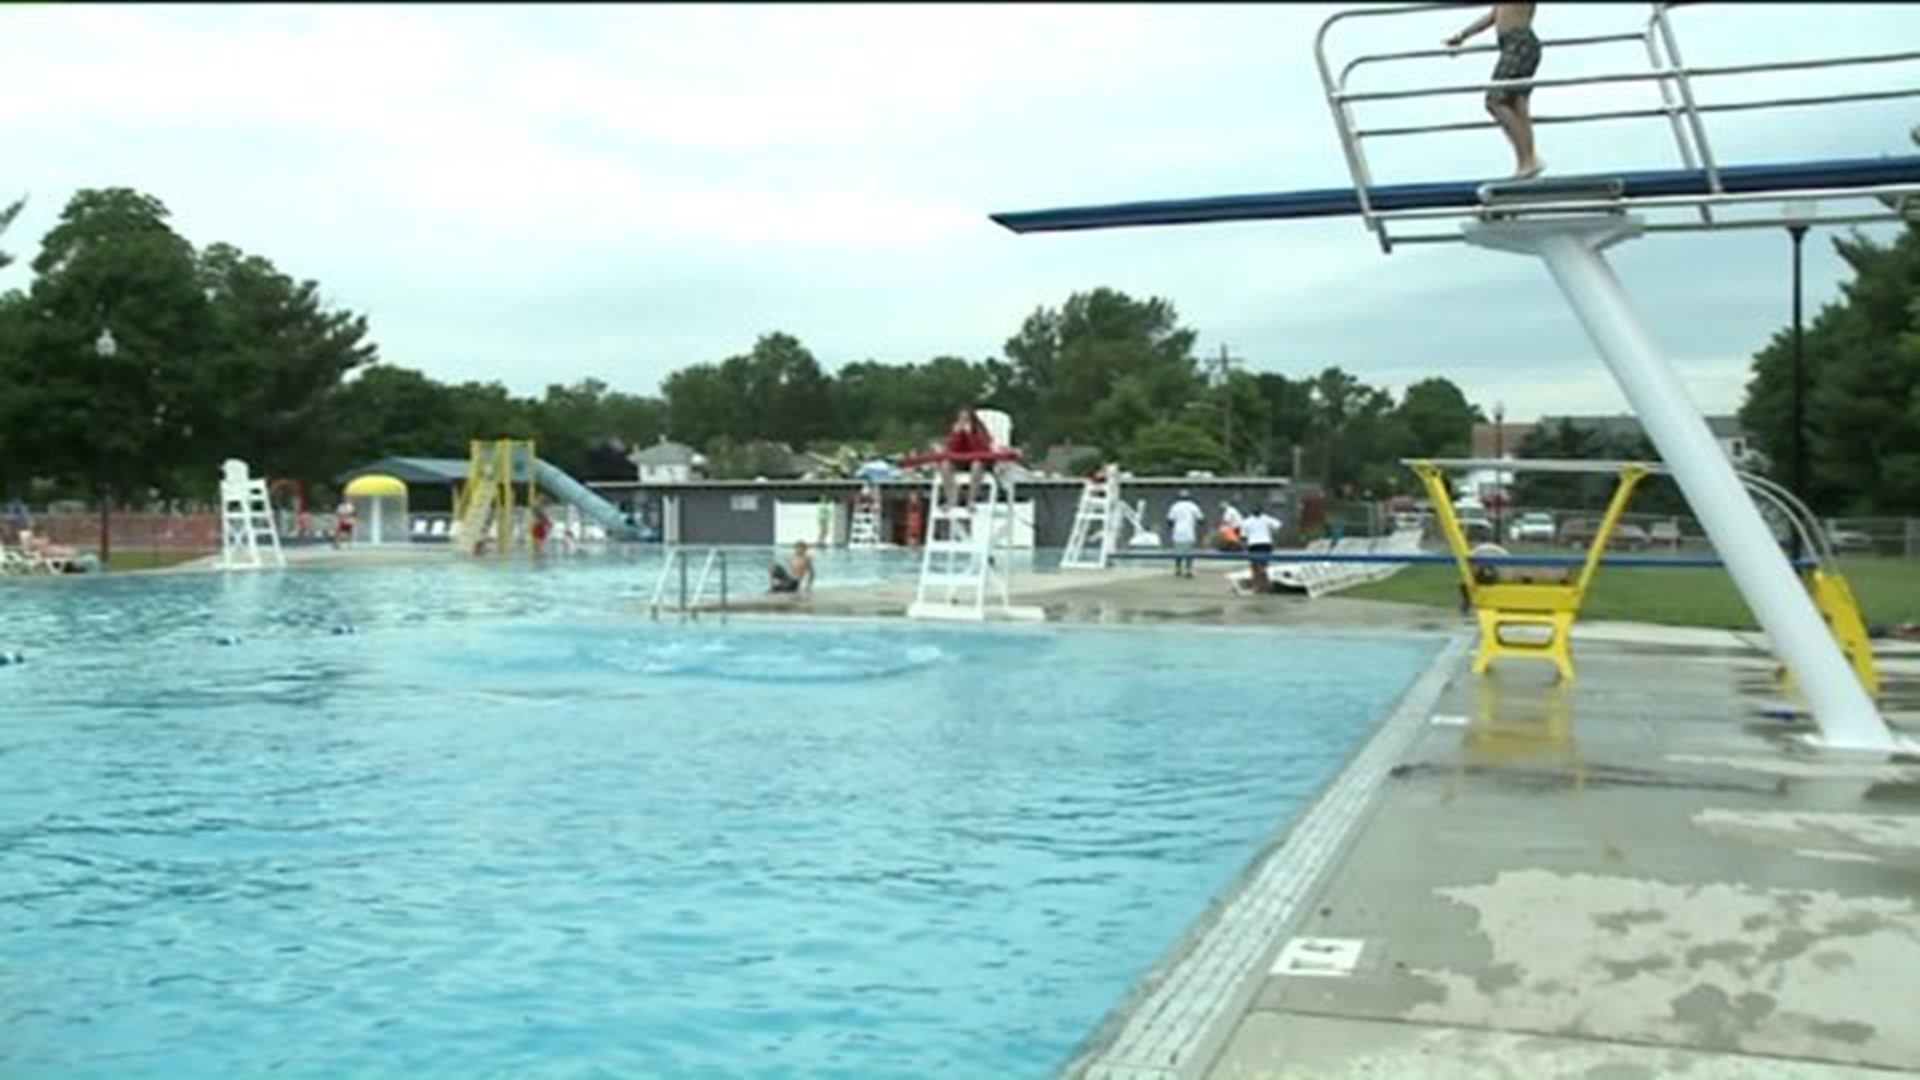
(507, 827)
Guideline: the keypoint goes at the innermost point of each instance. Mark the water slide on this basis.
(558, 484)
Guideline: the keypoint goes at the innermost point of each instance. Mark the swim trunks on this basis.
(1519, 59)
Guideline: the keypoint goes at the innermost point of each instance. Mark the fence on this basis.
(1890, 537)
(127, 531)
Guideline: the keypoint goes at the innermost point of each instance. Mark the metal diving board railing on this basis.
(1569, 222)
(1697, 192)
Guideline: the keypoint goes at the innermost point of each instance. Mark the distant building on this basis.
(667, 463)
(1503, 441)
(1734, 440)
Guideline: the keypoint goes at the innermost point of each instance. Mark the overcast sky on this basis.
(545, 193)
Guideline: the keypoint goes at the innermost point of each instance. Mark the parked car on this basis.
(1535, 526)
(1580, 532)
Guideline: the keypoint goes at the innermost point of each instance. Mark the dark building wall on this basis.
(741, 512)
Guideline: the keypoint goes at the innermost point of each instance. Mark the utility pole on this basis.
(1222, 376)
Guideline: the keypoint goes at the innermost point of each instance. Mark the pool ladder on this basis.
(692, 583)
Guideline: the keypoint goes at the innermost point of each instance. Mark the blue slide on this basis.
(565, 488)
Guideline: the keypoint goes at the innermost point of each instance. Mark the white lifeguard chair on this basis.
(965, 563)
(246, 517)
(863, 533)
(1096, 522)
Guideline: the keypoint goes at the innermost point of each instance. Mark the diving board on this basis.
(1774, 179)
(1567, 223)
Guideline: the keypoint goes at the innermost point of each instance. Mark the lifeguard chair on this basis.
(1568, 222)
(966, 560)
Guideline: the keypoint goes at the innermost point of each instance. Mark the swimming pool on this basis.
(481, 820)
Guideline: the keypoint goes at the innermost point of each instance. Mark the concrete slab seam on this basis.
(1165, 1029)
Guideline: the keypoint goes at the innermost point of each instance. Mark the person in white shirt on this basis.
(1259, 529)
(1185, 517)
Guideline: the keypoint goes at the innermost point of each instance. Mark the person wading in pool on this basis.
(796, 578)
(1519, 59)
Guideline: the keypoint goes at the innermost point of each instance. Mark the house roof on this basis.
(1724, 427)
(664, 453)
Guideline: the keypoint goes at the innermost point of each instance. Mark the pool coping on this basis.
(1178, 1016)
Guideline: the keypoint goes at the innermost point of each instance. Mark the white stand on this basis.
(1571, 249)
(245, 518)
(864, 533)
(966, 556)
(1096, 523)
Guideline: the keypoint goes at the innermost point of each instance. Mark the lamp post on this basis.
(1499, 474)
(1798, 212)
(105, 348)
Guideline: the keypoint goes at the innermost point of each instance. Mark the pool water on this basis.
(468, 820)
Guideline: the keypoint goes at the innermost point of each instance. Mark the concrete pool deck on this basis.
(1639, 875)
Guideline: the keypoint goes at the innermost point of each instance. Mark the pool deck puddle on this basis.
(1639, 875)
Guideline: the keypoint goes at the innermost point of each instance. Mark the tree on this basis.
(586, 429)
(1563, 441)
(1353, 443)
(1065, 363)
(1290, 417)
(1862, 368)
(1435, 420)
(111, 263)
(6, 219)
(1173, 447)
(274, 355)
(777, 391)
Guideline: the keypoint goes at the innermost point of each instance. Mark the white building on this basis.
(667, 463)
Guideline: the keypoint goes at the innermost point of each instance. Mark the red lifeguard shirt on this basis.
(968, 441)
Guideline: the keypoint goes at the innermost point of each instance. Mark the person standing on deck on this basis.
(1184, 516)
(1259, 528)
(1519, 59)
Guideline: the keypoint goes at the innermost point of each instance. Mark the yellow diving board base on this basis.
(1542, 611)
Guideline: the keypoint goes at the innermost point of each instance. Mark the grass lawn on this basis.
(1888, 590)
(149, 558)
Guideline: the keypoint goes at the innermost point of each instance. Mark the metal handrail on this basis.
(691, 592)
(1678, 74)
(1799, 516)
(1643, 114)
(1436, 54)
(1688, 102)
(1680, 106)
(1657, 60)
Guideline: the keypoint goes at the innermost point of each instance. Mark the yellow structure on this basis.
(380, 504)
(485, 515)
(1834, 597)
(1531, 606)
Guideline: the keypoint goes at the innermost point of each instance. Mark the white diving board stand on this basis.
(1568, 222)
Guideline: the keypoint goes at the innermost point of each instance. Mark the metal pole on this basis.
(1799, 233)
(1847, 716)
(1499, 477)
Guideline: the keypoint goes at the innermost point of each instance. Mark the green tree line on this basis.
(221, 354)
